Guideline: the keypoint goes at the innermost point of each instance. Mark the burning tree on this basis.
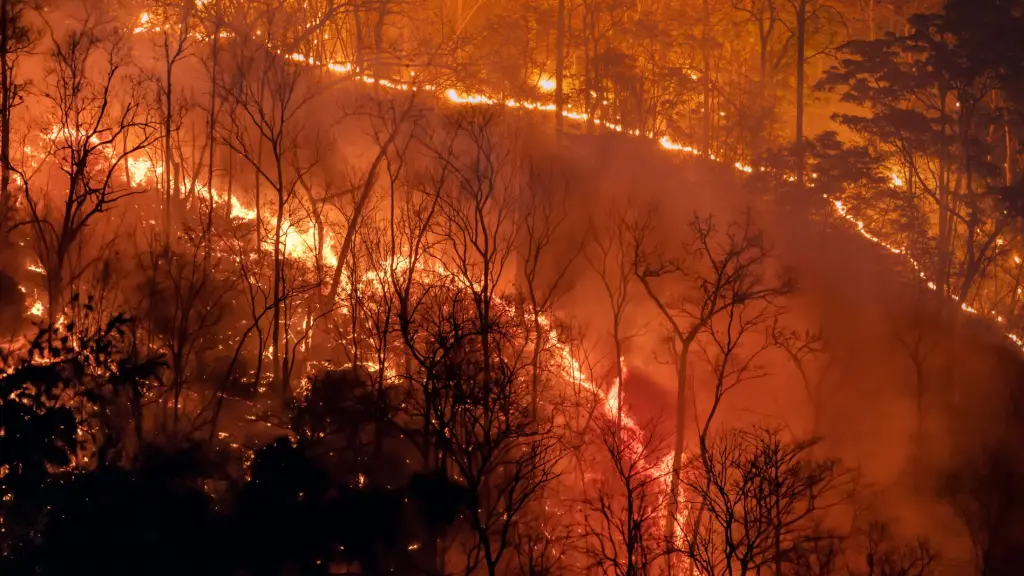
(718, 287)
(622, 517)
(610, 260)
(433, 308)
(96, 120)
(15, 40)
(431, 267)
(545, 268)
(271, 98)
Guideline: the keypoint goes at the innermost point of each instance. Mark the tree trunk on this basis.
(677, 452)
(287, 360)
(942, 262)
(231, 182)
(1010, 156)
(559, 69)
(378, 40)
(167, 155)
(357, 210)
(538, 348)
(54, 291)
(360, 49)
(801, 56)
(279, 376)
(213, 119)
(5, 113)
(871, 19)
(621, 391)
(706, 80)
(259, 203)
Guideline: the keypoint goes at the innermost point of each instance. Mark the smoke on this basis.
(908, 387)
(886, 340)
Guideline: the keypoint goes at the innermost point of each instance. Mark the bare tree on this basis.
(774, 50)
(95, 122)
(480, 217)
(268, 130)
(611, 261)
(176, 18)
(802, 348)
(732, 347)
(885, 556)
(544, 538)
(15, 40)
(471, 418)
(464, 357)
(622, 528)
(252, 272)
(545, 267)
(762, 498)
(187, 299)
(392, 133)
(720, 272)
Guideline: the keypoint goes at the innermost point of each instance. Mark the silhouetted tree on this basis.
(757, 499)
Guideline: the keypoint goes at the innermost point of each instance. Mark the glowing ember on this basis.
(36, 309)
(546, 83)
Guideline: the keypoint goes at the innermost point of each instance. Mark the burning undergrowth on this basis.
(461, 308)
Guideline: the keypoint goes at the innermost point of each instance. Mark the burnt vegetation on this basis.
(715, 287)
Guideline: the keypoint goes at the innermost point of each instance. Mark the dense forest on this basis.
(715, 287)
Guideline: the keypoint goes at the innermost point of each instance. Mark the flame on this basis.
(463, 98)
(36, 309)
(298, 240)
(546, 83)
(145, 24)
(141, 170)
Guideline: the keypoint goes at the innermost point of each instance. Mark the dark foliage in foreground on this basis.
(182, 508)
(158, 518)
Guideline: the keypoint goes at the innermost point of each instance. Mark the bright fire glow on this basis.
(36, 309)
(298, 240)
(546, 83)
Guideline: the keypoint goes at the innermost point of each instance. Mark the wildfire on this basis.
(141, 170)
(143, 24)
(457, 97)
(299, 240)
(36, 309)
(546, 83)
